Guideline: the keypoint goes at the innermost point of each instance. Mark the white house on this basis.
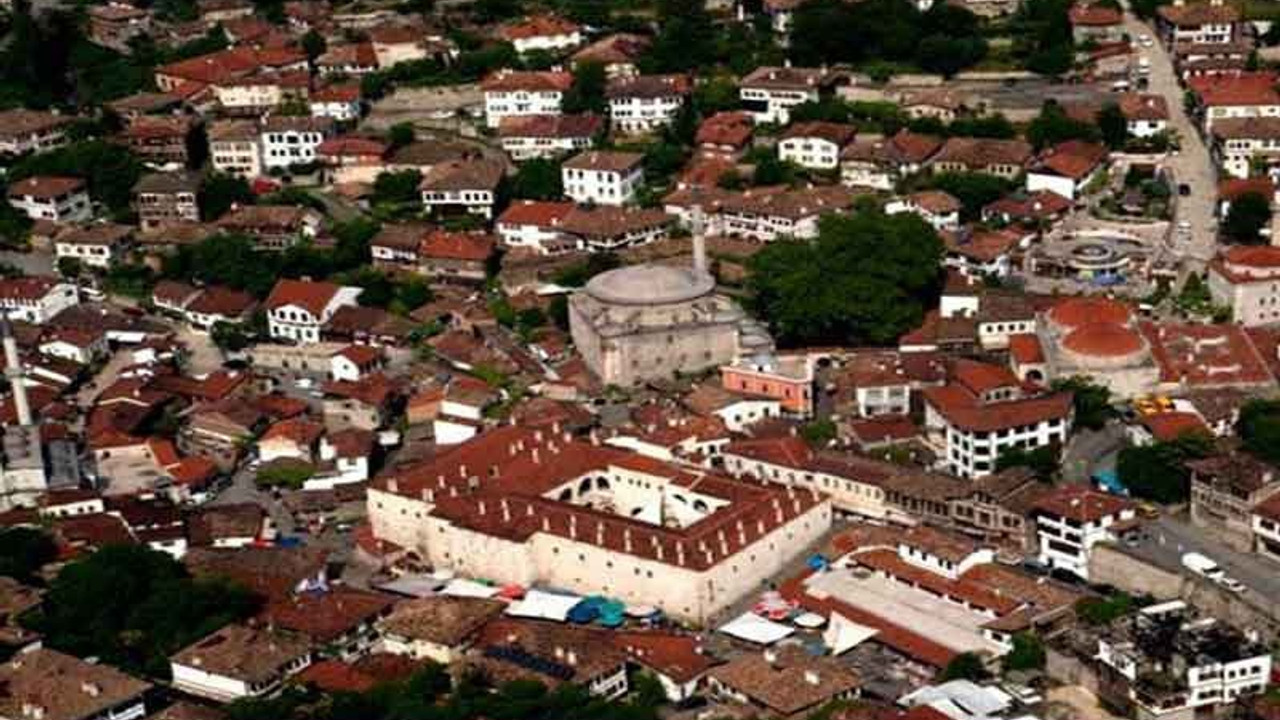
(349, 450)
(983, 410)
(46, 197)
(533, 224)
(288, 140)
(75, 344)
(548, 136)
(297, 308)
(646, 103)
(464, 186)
(237, 662)
(1066, 169)
(769, 93)
(542, 33)
(43, 683)
(815, 145)
(35, 299)
(938, 208)
(1071, 520)
(604, 178)
(98, 245)
(24, 131)
(340, 103)
(353, 362)
(234, 147)
(514, 93)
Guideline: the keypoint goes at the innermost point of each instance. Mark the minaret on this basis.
(698, 225)
(13, 371)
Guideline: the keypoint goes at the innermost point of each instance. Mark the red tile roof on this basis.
(312, 296)
(538, 26)
(443, 245)
(540, 214)
(299, 430)
(1091, 15)
(1081, 503)
(529, 81)
(1025, 349)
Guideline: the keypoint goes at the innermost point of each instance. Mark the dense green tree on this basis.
(946, 39)
(587, 92)
(229, 260)
(1042, 36)
(1248, 215)
(577, 274)
(220, 192)
(1259, 428)
(685, 39)
(397, 188)
(1041, 461)
(974, 190)
(1053, 126)
(231, 337)
(1027, 653)
(1159, 471)
(966, 666)
(984, 126)
(537, 179)
(866, 279)
(401, 134)
(109, 170)
(314, 45)
(1099, 611)
(23, 551)
(133, 607)
(772, 170)
(1112, 126)
(1092, 401)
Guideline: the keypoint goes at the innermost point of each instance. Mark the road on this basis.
(1192, 165)
(1169, 537)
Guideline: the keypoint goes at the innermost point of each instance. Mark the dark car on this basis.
(1184, 189)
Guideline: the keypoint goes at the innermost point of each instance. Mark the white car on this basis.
(1145, 40)
(1231, 584)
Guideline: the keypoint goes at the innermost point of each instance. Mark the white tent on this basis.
(753, 628)
(843, 634)
(961, 700)
(542, 605)
(461, 587)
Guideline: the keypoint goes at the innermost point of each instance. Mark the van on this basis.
(1120, 86)
(1202, 565)
(1144, 66)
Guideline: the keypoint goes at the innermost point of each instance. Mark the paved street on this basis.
(1192, 164)
(1169, 537)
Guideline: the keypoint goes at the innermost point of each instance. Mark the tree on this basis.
(866, 279)
(537, 179)
(23, 551)
(1042, 32)
(109, 170)
(134, 607)
(1053, 126)
(401, 134)
(1099, 611)
(70, 268)
(586, 94)
(1259, 428)
(220, 192)
(685, 39)
(1092, 401)
(771, 170)
(314, 45)
(819, 433)
(397, 188)
(1113, 126)
(966, 666)
(974, 191)
(1248, 215)
(230, 337)
(1042, 461)
(1027, 653)
(1158, 471)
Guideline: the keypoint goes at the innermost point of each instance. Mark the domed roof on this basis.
(1075, 312)
(649, 285)
(1103, 339)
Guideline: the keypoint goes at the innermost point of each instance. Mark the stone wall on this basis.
(1109, 565)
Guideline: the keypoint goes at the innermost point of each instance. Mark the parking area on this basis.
(1164, 542)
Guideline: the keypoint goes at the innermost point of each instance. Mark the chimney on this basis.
(91, 689)
(392, 485)
(811, 677)
(13, 370)
(771, 657)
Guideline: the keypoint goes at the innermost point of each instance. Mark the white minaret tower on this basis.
(698, 225)
(13, 371)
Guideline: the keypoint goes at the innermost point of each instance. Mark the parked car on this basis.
(1203, 566)
(1231, 584)
(1184, 189)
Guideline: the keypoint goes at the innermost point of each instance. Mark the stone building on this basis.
(647, 322)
